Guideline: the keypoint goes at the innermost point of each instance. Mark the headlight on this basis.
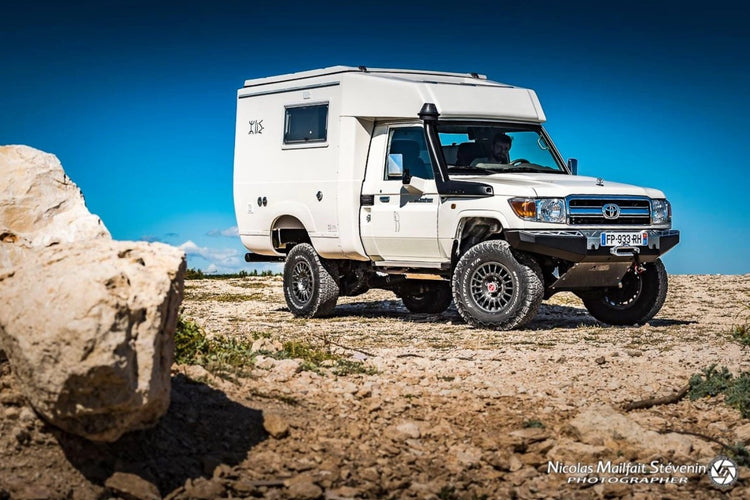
(551, 210)
(661, 211)
(540, 210)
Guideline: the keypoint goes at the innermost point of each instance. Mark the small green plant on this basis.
(738, 394)
(314, 359)
(302, 350)
(344, 367)
(739, 453)
(222, 356)
(741, 331)
(190, 342)
(711, 382)
(533, 424)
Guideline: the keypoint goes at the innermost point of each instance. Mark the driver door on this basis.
(399, 225)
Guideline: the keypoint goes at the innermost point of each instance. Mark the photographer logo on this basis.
(722, 471)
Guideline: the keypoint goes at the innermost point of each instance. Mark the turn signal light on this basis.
(526, 209)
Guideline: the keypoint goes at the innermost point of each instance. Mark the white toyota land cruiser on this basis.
(443, 187)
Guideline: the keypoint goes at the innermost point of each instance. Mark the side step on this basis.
(256, 257)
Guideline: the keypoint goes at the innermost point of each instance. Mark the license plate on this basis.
(639, 239)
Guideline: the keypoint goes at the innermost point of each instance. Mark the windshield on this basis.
(481, 149)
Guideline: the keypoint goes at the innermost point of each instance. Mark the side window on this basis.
(407, 148)
(304, 124)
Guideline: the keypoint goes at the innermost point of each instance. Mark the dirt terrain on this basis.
(412, 406)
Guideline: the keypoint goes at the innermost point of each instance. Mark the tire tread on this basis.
(325, 277)
(645, 308)
(531, 280)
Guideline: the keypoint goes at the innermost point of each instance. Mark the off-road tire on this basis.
(640, 298)
(421, 296)
(485, 303)
(310, 283)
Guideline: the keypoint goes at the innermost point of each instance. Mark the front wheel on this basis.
(310, 285)
(638, 300)
(494, 287)
(431, 297)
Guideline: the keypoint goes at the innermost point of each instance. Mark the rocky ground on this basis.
(421, 407)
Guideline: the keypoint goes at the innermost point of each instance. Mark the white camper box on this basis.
(277, 184)
(441, 187)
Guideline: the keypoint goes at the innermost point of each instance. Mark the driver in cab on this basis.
(500, 151)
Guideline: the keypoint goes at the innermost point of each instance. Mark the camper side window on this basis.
(407, 149)
(304, 124)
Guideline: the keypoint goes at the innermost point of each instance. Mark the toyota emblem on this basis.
(610, 211)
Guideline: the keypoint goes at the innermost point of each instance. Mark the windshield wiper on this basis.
(469, 170)
(540, 170)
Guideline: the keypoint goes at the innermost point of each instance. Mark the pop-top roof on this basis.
(401, 93)
(408, 74)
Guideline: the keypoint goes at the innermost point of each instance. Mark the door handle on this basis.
(385, 199)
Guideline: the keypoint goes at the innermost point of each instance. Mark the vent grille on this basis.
(587, 211)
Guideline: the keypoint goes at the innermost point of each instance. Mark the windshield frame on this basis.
(520, 126)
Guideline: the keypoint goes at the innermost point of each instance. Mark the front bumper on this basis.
(584, 245)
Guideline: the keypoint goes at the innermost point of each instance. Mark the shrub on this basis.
(304, 351)
(711, 383)
(738, 394)
(194, 274)
(190, 342)
(533, 424)
(739, 453)
(345, 367)
(741, 331)
(222, 356)
(230, 357)
(314, 359)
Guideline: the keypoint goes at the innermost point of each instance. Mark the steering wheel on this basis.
(519, 161)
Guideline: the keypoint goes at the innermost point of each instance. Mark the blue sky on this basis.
(137, 99)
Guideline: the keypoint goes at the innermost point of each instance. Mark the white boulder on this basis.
(86, 322)
(39, 204)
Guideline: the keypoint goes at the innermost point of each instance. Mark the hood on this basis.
(556, 185)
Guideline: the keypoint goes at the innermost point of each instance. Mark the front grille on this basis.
(587, 211)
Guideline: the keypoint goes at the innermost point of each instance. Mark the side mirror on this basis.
(415, 185)
(573, 166)
(395, 165)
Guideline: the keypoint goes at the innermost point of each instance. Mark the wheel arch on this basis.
(287, 231)
(474, 228)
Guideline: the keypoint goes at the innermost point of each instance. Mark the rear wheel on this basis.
(638, 300)
(310, 285)
(430, 297)
(494, 287)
